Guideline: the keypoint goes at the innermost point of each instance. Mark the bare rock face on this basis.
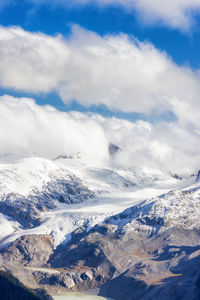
(127, 265)
(83, 261)
(122, 264)
(29, 250)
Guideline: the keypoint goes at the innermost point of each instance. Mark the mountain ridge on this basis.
(98, 227)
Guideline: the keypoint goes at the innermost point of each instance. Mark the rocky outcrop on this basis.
(113, 149)
(153, 261)
(28, 250)
(122, 264)
(159, 267)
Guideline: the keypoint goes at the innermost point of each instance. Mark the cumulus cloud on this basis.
(164, 146)
(174, 13)
(116, 71)
(28, 127)
(31, 62)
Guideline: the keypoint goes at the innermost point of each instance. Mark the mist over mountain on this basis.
(26, 127)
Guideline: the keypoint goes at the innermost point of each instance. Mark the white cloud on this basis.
(116, 71)
(174, 13)
(165, 146)
(28, 127)
(31, 62)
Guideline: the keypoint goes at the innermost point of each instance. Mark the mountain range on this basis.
(122, 233)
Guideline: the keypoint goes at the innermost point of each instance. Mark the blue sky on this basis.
(182, 45)
(111, 60)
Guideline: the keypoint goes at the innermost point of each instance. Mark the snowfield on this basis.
(112, 191)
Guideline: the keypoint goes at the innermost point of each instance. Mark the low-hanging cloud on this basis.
(178, 14)
(116, 71)
(28, 127)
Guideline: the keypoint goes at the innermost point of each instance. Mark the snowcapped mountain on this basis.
(39, 193)
(178, 208)
(82, 226)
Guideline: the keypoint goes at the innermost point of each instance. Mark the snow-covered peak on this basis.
(21, 174)
(178, 208)
(57, 196)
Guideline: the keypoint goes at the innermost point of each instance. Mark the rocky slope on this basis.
(70, 227)
(148, 251)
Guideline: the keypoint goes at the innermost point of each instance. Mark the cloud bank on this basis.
(116, 71)
(28, 127)
(174, 13)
